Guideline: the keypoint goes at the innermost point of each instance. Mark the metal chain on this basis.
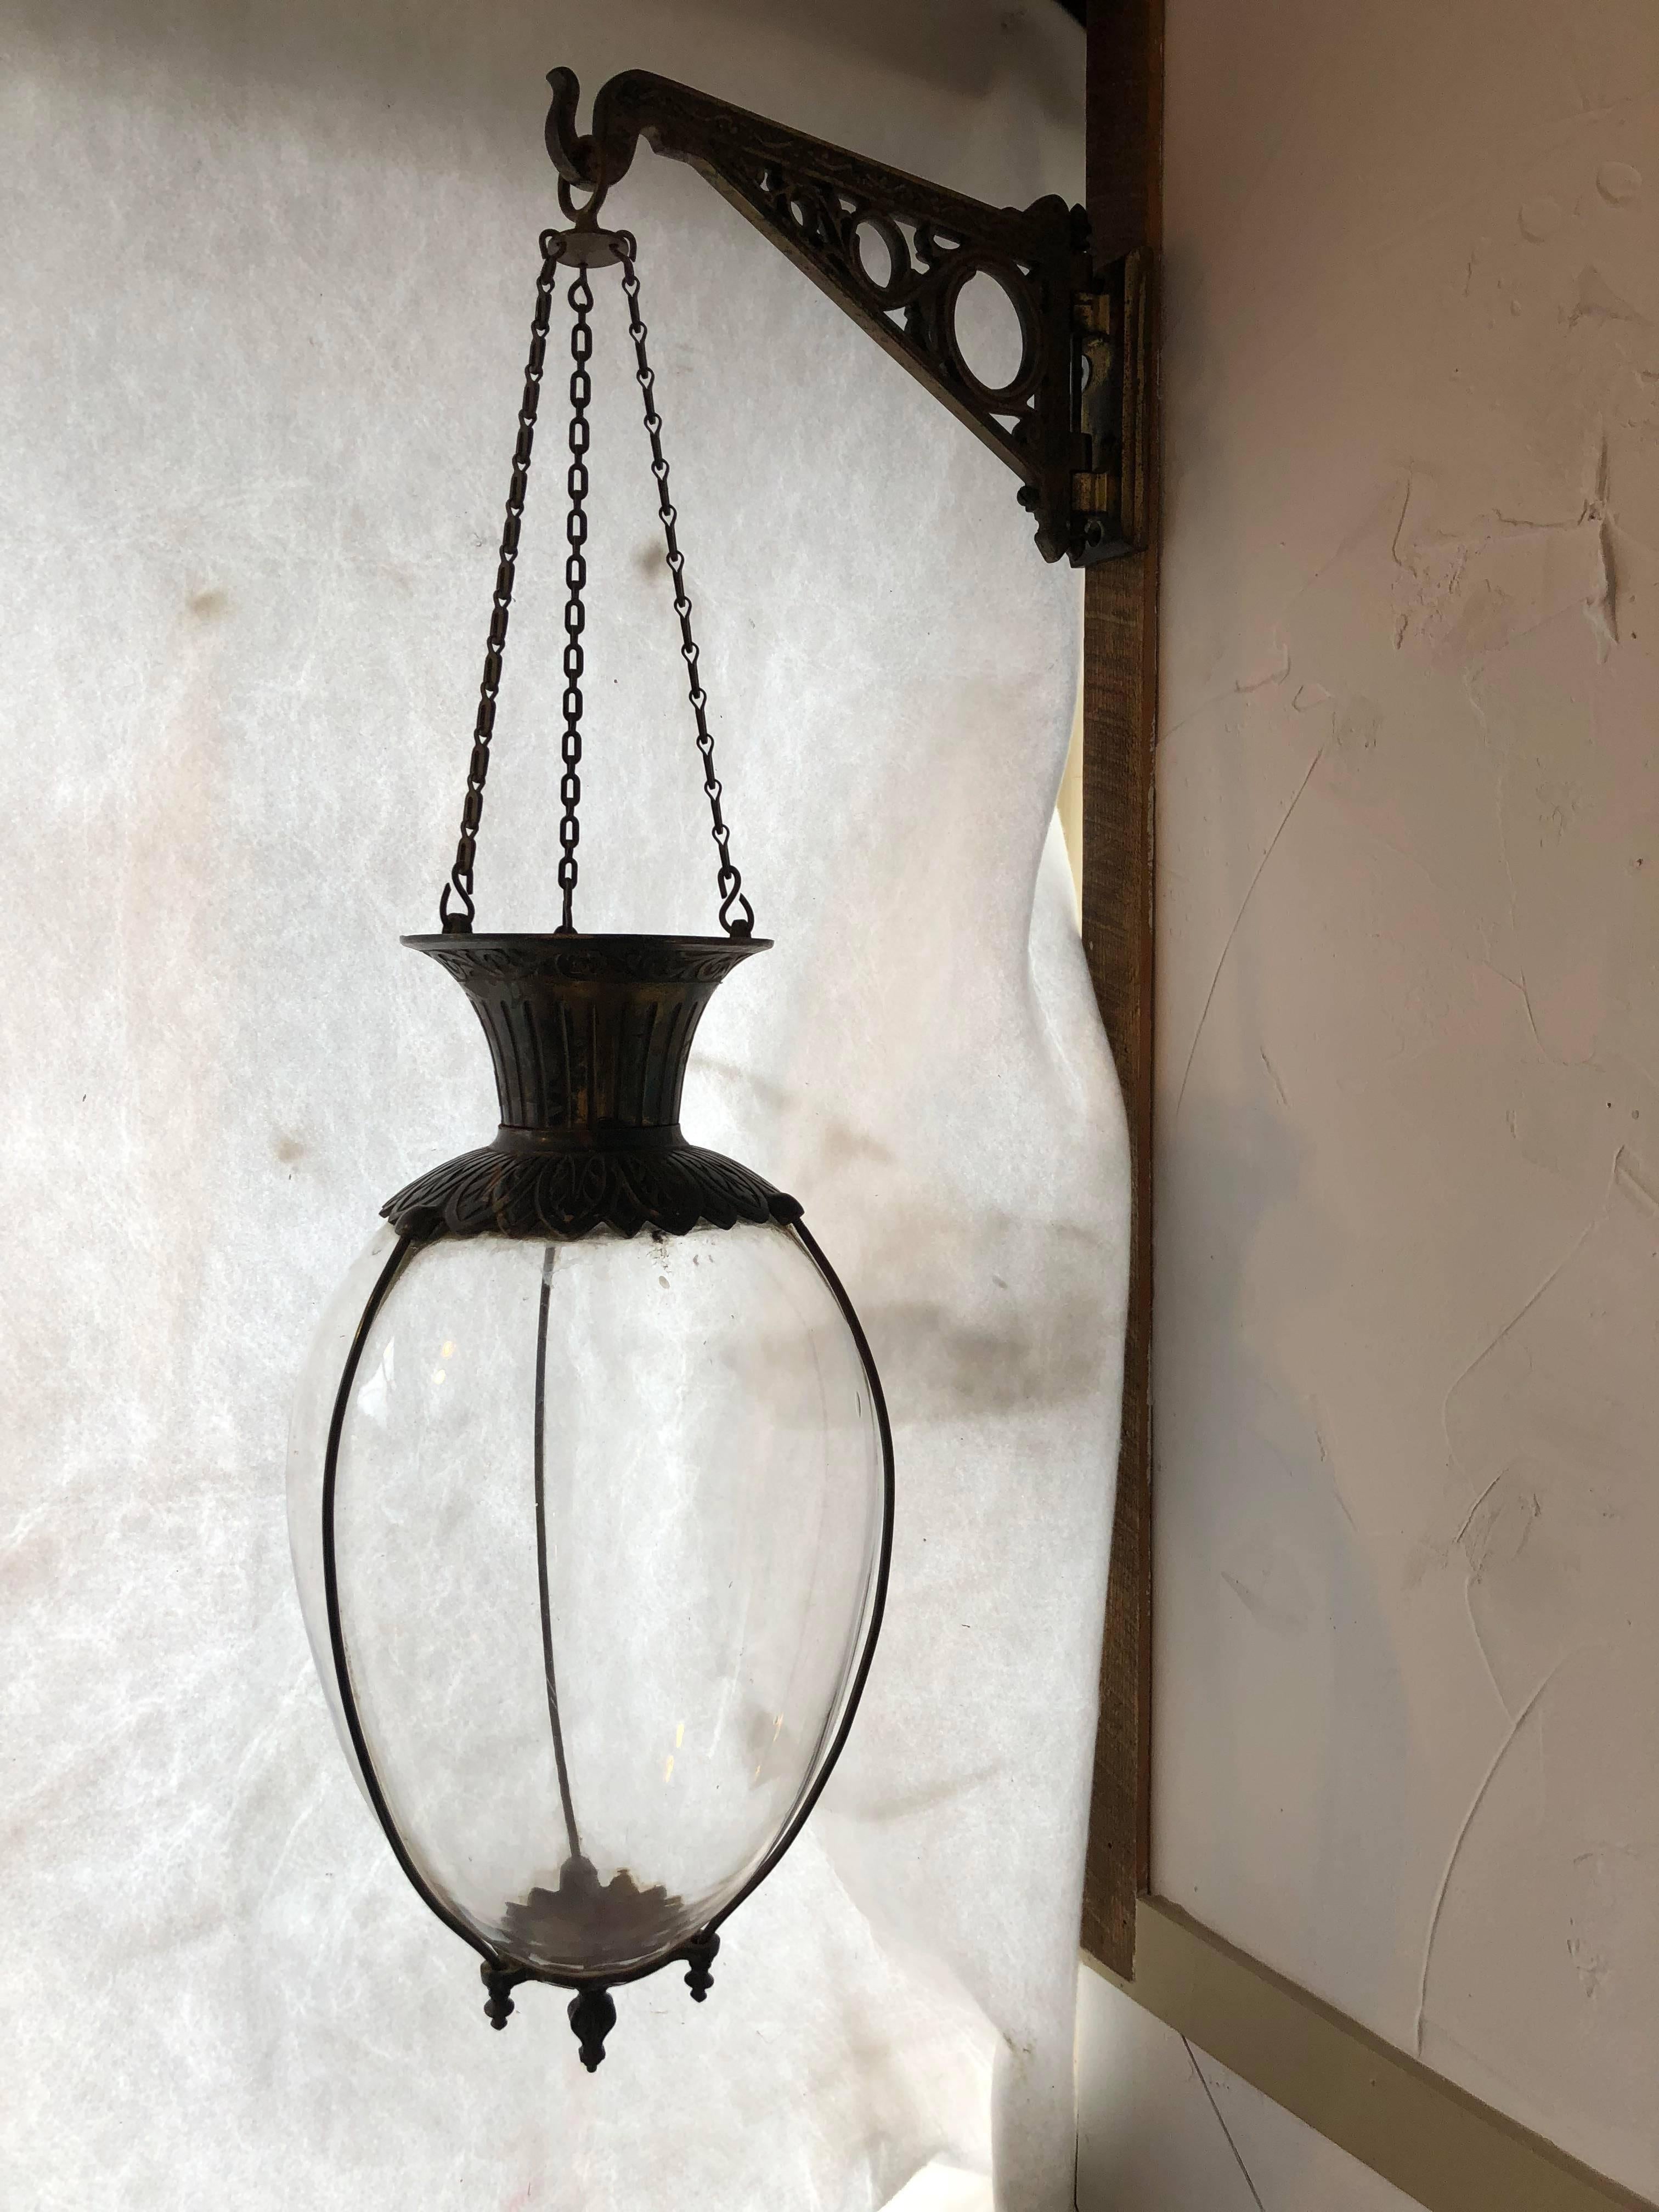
(576, 579)
(736, 913)
(460, 877)
(732, 901)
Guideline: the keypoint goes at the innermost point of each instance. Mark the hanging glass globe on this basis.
(590, 1493)
(591, 1480)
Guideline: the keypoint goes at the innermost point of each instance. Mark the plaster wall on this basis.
(1408, 1265)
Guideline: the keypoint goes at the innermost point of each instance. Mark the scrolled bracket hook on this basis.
(597, 159)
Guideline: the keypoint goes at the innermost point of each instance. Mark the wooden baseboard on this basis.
(1432, 2140)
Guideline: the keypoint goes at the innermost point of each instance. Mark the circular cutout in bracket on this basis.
(882, 258)
(989, 331)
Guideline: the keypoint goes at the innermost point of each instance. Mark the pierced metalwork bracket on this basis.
(1070, 422)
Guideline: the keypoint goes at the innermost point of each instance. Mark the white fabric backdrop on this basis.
(267, 281)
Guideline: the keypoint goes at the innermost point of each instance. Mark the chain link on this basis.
(460, 877)
(736, 915)
(575, 579)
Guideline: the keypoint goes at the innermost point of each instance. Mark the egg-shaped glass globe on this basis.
(591, 1492)
(606, 1519)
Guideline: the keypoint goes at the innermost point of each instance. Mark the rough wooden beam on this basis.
(1119, 704)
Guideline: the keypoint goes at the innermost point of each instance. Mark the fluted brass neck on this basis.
(589, 1035)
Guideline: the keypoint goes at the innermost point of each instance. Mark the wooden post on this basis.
(1125, 139)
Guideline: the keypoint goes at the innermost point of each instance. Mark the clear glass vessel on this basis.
(589, 1494)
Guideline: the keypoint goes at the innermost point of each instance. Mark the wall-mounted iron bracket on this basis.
(896, 253)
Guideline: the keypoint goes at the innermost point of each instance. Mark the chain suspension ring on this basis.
(583, 243)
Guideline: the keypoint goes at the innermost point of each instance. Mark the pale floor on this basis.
(1162, 2128)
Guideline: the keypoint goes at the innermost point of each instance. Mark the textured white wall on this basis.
(265, 294)
(1407, 1385)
